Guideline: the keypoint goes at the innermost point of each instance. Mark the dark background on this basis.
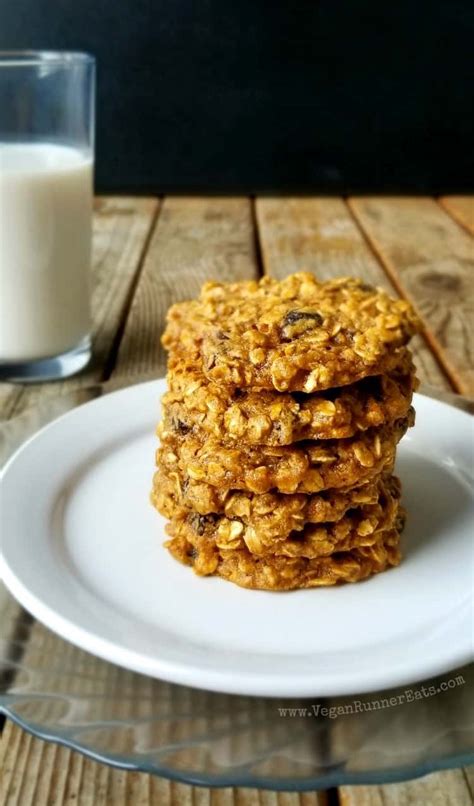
(260, 96)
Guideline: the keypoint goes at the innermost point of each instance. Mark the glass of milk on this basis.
(46, 178)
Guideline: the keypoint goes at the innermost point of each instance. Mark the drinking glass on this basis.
(46, 186)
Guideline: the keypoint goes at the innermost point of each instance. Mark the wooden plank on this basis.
(320, 235)
(441, 788)
(121, 229)
(461, 208)
(37, 773)
(431, 259)
(196, 239)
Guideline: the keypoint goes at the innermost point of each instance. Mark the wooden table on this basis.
(150, 252)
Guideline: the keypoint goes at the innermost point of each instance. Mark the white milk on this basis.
(45, 244)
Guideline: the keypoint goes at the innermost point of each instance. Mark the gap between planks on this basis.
(111, 359)
(461, 209)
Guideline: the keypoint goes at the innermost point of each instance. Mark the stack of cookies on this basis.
(285, 404)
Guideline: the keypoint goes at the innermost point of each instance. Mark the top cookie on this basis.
(295, 335)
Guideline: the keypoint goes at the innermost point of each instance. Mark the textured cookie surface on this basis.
(272, 418)
(272, 533)
(287, 573)
(308, 467)
(259, 519)
(294, 335)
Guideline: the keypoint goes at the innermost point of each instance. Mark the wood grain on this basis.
(196, 239)
(438, 789)
(121, 230)
(431, 259)
(37, 773)
(320, 235)
(461, 208)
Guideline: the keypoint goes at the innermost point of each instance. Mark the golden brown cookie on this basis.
(358, 526)
(327, 505)
(277, 418)
(297, 334)
(288, 573)
(270, 515)
(308, 467)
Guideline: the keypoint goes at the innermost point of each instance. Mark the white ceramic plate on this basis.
(81, 549)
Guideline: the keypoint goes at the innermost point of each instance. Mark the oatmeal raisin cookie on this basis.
(278, 418)
(268, 534)
(280, 573)
(308, 467)
(296, 334)
(271, 514)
